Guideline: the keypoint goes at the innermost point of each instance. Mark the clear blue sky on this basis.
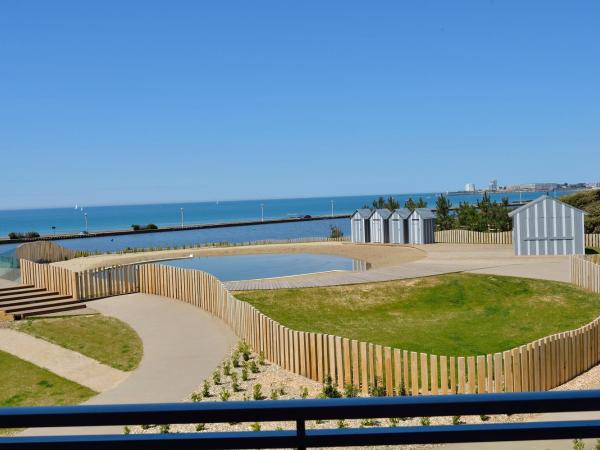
(105, 102)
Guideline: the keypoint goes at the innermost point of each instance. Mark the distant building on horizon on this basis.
(469, 187)
(493, 187)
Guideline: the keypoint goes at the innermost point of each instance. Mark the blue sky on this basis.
(143, 101)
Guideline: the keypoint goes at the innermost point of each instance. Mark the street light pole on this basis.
(181, 209)
(331, 208)
(262, 212)
(86, 222)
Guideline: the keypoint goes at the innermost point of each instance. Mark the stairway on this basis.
(26, 300)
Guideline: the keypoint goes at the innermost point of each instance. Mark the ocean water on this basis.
(68, 220)
(250, 267)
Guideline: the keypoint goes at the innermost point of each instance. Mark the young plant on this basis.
(456, 420)
(217, 377)
(342, 423)
(261, 358)
(303, 392)
(224, 395)
(367, 423)
(257, 392)
(226, 368)
(234, 383)
(578, 444)
(350, 391)
(274, 395)
(201, 427)
(165, 428)
(255, 426)
(196, 397)
(244, 350)
(402, 390)
(235, 359)
(205, 389)
(484, 417)
(330, 389)
(126, 430)
(377, 389)
(244, 374)
(394, 421)
(253, 367)
(425, 421)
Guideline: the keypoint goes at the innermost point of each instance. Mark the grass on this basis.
(102, 338)
(458, 314)
(24, 384)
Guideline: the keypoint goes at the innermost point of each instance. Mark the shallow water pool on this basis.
(250, 267)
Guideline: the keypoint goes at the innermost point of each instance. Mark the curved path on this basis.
(182, 346)
(438, 259)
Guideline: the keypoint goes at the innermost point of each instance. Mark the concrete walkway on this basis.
(63, 362)
(182, 346)
(440, 259)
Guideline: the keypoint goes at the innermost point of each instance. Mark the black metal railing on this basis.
(300, 411)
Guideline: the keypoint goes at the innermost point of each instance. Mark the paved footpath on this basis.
(182, 346)
(61, 361)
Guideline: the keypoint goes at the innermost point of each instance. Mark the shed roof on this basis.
(365, 213)
(384, 213)
(538, 200)
(403, 212)
(425, 213)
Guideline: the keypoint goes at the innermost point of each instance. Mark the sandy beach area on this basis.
(379, 256)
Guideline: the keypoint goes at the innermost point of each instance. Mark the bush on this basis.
(274, 395)
(255, 426)
(165, 428)
(196, 397)
(425, 421)
(330, 389)
(377, 389)
(200, 427)
(368, 423)
(261, 358)
(206, 389)
(394, 421)
(244, 350)
(257, 392)
(303, 392)
(126, 430)
(224, 395)
(456, 420)
(484, 417)
(253, 367)
(217, 377)
(342, 423)
(335, 232)
(244, 374)
(226, 369)
(28, 235)
(135, 227)
(234, 383)
(350, 391)
(235, 359)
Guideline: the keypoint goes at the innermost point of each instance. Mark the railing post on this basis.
(301, 434)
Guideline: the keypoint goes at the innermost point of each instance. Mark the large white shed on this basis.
(380, 229)
(360, 230)
(547, 226)
(421, 226)
(399, 226)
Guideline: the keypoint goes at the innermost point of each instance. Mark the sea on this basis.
(101, 218)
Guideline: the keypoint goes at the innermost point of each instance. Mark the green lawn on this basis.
(458, 314)
(102, 338)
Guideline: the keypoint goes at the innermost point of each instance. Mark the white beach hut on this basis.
(421, 228)
(399, 226)
(360, 230)
(380, 229)
(547, 226)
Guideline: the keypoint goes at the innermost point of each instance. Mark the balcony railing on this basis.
(301, 411)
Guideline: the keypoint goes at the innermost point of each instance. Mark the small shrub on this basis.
(578, 444)
(402, 390)
(217, 377)
(377, 389)
(335, 232)
(394, 421)
(235, 359)
(151, 226)
(126, 430)
(281, 390)
(224, 395)
(146, 426)
(246, 397)
(255, 426)
(226, 369)
(484, 418)
(342, 423)
(257, 392)
(196, 397)
(244, 350)
(368, 423)
(303, 392)
(456, 420)
(135, 227)
(164, 429)
(244, 374)
(234, 383)
(274, 395)
(205, 389)
(425, 421)
(253, 367)
(261, 358)
(350, 391)
(330, 389)
(200, 427)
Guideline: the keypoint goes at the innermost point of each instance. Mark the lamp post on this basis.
(181, 210)
(86, 222)
(262, 212)
(331, 208)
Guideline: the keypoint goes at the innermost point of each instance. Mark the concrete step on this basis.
(28, 301)
(42, 293)
(14, 310)
(21, 291)
(48, 310)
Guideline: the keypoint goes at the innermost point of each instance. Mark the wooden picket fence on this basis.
(44, 251)
(473, 237)
(540, 365)
(585, 272)
(106, 282)
(592, 240)
(47, 276)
